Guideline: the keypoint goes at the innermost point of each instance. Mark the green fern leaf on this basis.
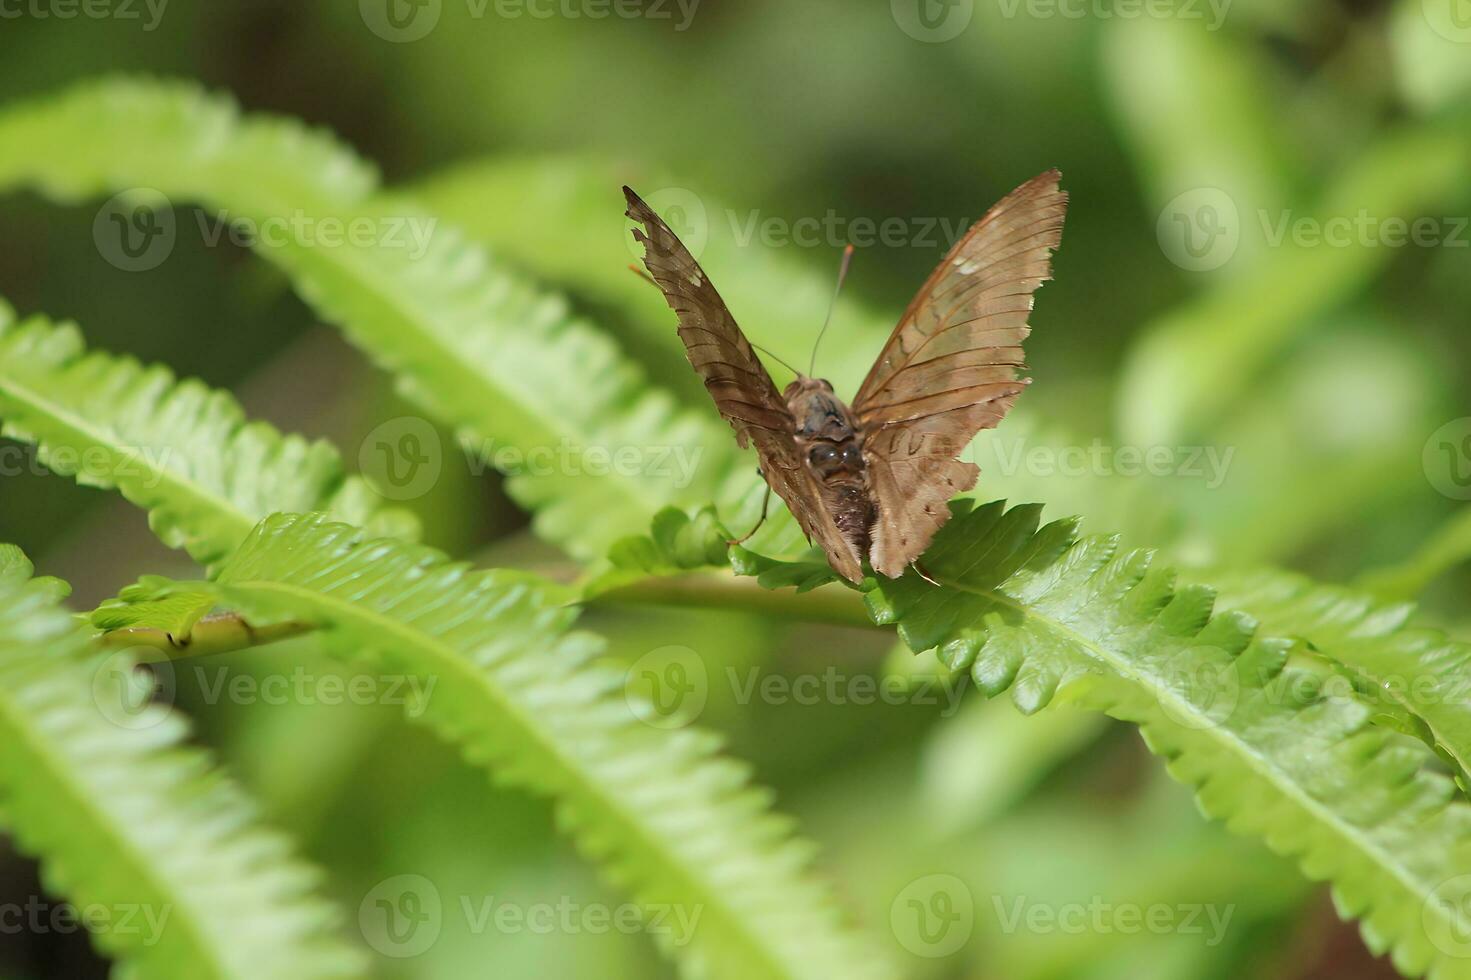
(670, 820)
(129, 822)
(178, 449)
(479, 347)
(1267, 748)
(1417, 676)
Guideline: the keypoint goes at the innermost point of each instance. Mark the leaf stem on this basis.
(223, 632)
(830, 604)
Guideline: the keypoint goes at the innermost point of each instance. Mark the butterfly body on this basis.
(869, 481)
(831, 446)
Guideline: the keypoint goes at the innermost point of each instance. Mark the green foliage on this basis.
(1034, 611)
(1197, 360)
(181, 451)
(139, 831)
(669, 819)
(1446, 547)
(478, 346)
(1415, 676)
(676, 543)
(1319, 367)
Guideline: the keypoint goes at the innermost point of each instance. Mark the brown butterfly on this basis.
(872, 480)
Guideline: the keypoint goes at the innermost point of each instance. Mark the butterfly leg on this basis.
(922, 573)
(765, 502)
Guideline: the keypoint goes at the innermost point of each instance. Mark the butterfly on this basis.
(872, 479)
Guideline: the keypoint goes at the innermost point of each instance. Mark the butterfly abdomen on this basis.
(832, 448)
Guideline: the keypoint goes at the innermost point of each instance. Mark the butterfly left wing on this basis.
(952, 367)
(736, 379)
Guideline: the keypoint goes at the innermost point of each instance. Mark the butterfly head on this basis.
(803, 384)
(818, 412)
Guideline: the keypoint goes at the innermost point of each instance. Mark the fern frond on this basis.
(488, 354)
(551, 213)
(479, 347)
(673, 822)
(1446, 547)
(180, 450)
(1266, 745)
(125, 818)
(1417, 675)
(1192, 363)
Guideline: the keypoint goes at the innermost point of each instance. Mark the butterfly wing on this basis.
(952, 367)
(736, 379)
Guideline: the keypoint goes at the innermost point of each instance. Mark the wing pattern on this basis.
(734, 376)
(953, 367)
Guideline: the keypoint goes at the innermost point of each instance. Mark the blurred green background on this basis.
(1205, 302)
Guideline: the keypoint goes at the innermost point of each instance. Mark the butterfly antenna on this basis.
(774, 357)
(650, 280)
(842, 274)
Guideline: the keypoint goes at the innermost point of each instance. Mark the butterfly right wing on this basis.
(734, 376)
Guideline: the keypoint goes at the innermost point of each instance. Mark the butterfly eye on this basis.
(823, 454)
(851, 455)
